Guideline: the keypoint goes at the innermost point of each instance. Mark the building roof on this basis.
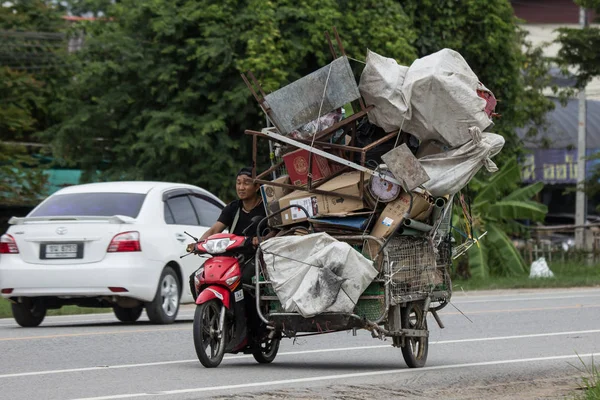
(560, 131)
(548, 11)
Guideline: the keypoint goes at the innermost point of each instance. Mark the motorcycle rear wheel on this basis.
(209, 341)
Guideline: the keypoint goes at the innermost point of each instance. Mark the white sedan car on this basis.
(113, 244)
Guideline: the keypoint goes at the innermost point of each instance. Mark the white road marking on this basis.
(289, 353)
(492, 300)
(265, 384)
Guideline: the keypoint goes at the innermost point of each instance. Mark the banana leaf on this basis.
(503, 257)
(513, 209)
(478, 260)
(500, 182)
(525, 193)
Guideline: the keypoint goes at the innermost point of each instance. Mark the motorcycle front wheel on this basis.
(209, 339)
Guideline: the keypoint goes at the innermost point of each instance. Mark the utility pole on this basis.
(580, 197)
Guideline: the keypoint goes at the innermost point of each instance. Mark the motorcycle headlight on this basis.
(217, 246)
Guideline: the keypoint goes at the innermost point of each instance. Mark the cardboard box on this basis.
(296, 164)
(392, 214)
(271, 195)
(322, 205)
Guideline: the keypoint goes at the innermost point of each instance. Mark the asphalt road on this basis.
(514, 344)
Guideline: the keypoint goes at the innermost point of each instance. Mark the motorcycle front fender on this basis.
(214, 292)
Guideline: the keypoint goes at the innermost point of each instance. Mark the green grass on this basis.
(590, 382)
(565, 275)
(5, 311)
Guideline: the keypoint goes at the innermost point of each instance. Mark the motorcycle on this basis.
(221, 317)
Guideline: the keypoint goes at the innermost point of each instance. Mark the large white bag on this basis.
(451, 171)
(381, 85)
(444, 102)
(315, 273)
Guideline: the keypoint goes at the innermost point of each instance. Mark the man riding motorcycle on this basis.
(236, 217)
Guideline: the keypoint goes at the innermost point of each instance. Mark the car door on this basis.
(181, 217)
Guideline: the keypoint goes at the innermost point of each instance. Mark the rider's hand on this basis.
(255, 241)
(190, 247)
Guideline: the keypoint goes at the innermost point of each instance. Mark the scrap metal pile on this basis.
(381, 157)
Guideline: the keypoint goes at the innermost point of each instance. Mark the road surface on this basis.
(508, 344)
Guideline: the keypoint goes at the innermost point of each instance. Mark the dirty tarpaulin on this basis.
(316, 273)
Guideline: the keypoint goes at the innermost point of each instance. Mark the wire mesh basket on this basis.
(412, 267)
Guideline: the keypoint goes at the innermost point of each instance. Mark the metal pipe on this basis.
(438, 206)
(437, 318)
(417, 225)
(406, 231)
(257, 285)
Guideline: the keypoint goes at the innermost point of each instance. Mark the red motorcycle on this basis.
(220, 321)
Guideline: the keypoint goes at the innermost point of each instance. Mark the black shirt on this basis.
(228, 215)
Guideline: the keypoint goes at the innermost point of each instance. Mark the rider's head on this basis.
(244, 185)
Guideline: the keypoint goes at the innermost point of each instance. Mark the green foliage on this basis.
(31, 69)
(580, 48)
(497, 206)
(158, 95)
(22, 181)
(486, 34)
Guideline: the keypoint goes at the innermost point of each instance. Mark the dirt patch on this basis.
(547, 389)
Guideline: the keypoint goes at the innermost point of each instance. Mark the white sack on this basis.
(316, 273)
(444, 102)
(540, 269)
(451, 171)
(381, 85)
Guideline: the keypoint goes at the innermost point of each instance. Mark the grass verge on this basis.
(5, 311)
(590, 382)
(565, 275)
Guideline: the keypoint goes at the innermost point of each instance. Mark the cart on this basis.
(413, 281)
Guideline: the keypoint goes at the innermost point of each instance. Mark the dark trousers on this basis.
(248, 272)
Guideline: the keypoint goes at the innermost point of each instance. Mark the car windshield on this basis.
(91, 204)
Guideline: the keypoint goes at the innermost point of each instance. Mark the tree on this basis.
(31, 68)
(496, 207)
(486, 34)
(580, 48)
(158, 93)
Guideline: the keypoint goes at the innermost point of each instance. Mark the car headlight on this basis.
(217, 246)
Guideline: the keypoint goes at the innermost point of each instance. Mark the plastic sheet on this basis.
(451, 171)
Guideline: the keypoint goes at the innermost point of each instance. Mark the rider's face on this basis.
(245, 187)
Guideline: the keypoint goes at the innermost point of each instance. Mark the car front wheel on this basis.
(29, 313)
(163, 309)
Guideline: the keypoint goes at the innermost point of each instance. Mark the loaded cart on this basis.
(410, 280)
(360, 184)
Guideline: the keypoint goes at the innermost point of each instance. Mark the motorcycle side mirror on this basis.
(255, 220)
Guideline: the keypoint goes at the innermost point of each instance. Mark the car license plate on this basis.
(62, 250)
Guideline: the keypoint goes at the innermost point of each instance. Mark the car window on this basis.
(91, 204)
(182, 210)
(208, 212)
(169, 219)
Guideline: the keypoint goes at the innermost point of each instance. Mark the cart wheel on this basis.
(266, 352)
(415, 349)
